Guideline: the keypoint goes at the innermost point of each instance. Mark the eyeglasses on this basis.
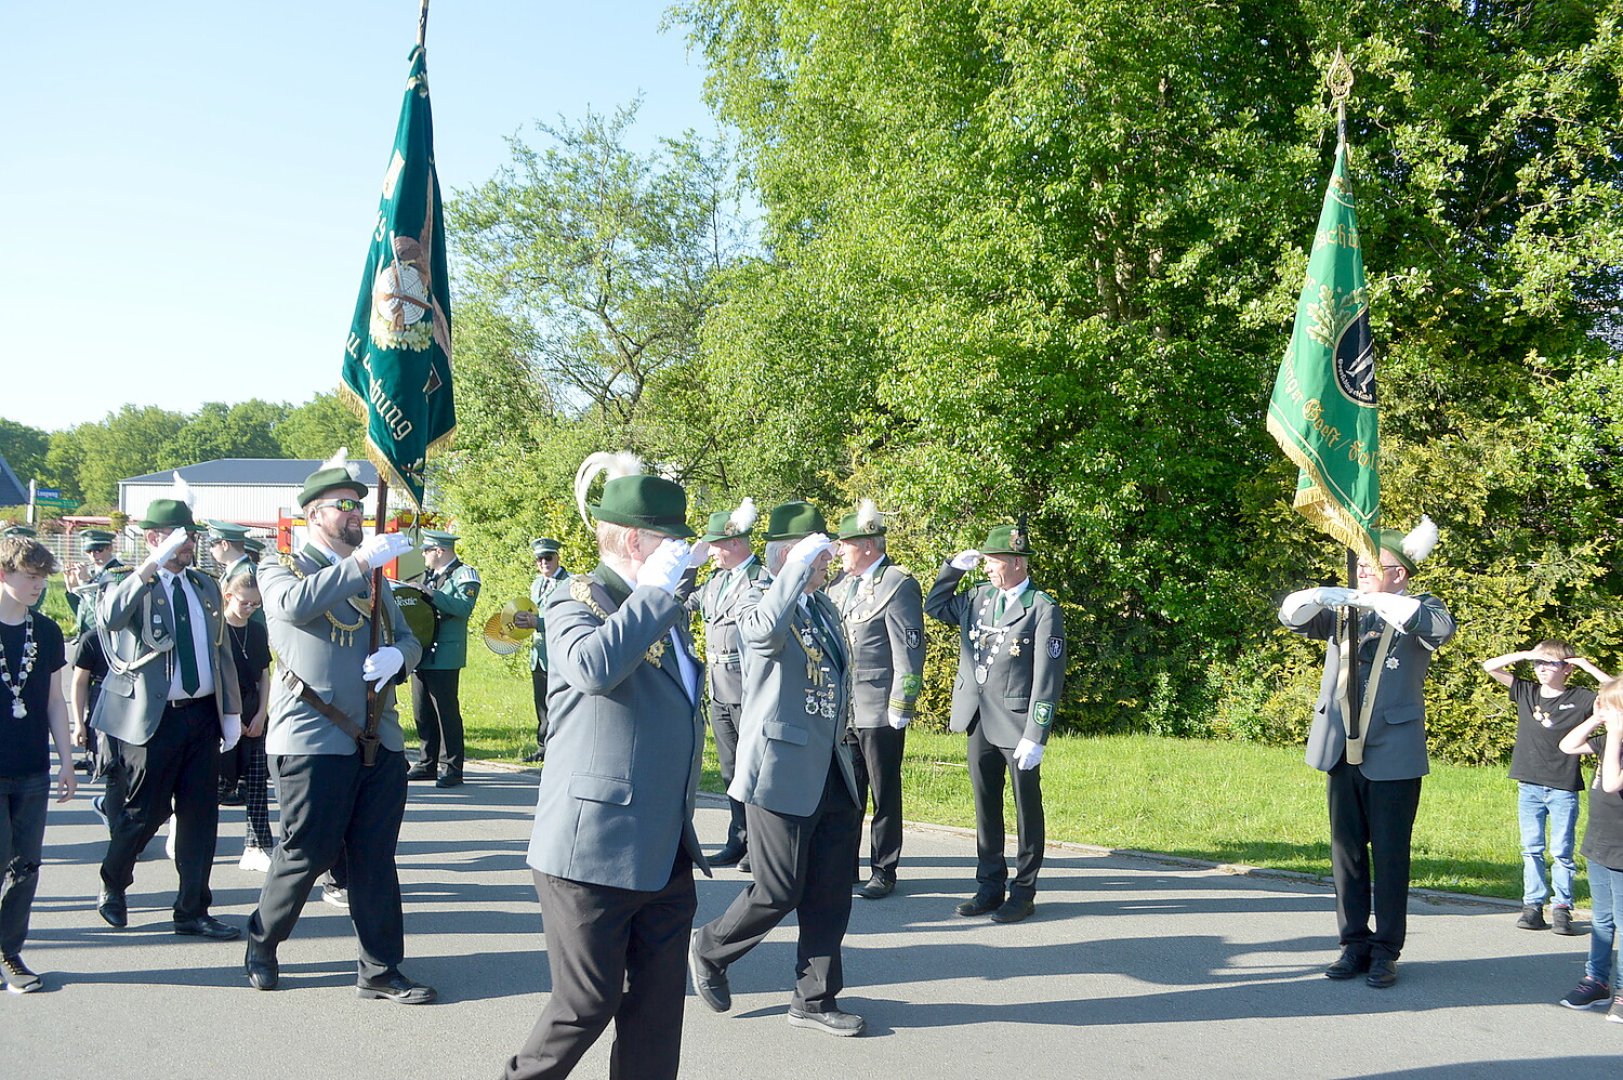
(343, 506)
(1366, 570)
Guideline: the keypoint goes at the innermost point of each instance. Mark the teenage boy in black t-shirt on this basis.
(32, 715)
(1548, 779)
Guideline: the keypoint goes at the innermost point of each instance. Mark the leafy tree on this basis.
(318, 428)
(244, 430)
(24, 449)
(130, 442)
(1039, 258)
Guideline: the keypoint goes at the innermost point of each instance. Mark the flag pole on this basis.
(1339, 80)
(422, 24)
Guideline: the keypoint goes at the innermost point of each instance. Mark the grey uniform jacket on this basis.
(137, 626)
(1395, 744)
(1023, 654)
(791, 722)
(883, 615)
(624, 737)
(300, 592)
(718, 601)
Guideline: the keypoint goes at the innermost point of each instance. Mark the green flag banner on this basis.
(1323, 410)
(397, 361)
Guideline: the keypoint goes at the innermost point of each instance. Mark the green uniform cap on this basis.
(433, 538)
(793, 520)
(227, 531)
(322, 481)
(253, 545)
(1007, 540)
(1391, 541)
(645, 502)
(167, 514)
(91, 539)
(851, 529)
(543, 545)
(720, 527)
(25, 531)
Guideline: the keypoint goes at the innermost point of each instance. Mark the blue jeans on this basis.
(1606, 897)
(1533, 805)
(23, 800)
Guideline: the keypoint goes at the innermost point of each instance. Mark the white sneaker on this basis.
(169, 840)
(255, 859)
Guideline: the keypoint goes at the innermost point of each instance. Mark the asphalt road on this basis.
(1132, 966)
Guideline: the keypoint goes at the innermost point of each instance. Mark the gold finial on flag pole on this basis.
(1338, 79)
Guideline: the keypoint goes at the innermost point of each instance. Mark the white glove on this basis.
(665, 567)
(230, 731)
(807, 548)
(381, 549)
(382, 666)
(1298, 602)
(1027, 755)
(167, 547)
(1395, 608)
(965, 560)
(897, 720)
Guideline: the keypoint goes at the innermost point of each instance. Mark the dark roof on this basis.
(284, 471)
(13, 492)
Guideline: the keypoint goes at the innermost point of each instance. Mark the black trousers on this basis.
(988, 765)
(724, 725)
(615, 955)
(538, 690)
(1371, 818)
(331, 803)
(877, 757)
(174, 772)
(439, 717)
(803, 865)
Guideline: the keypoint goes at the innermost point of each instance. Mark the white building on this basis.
(257, 492)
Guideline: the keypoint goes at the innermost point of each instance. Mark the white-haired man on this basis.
(1374, 778)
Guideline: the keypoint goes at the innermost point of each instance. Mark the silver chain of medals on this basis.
(822, 696)
(986, 640)
(18, 709)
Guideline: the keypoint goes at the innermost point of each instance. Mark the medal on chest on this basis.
(822, 694)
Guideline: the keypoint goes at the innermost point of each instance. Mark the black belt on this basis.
(187, 703)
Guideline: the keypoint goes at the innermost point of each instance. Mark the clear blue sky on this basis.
(189, 185)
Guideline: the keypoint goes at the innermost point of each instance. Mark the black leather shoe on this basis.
(112, 909)
(1382, 973)
(260, 964)
(396, 988)
(878, 887)
(980, 904)
(449, 779)
(535, 756)
(206, 926)
(833, 1021)
(1014, 910)
(709, 981)
(1348, 965)
(423, 770)
(744, 864)
(728, 856)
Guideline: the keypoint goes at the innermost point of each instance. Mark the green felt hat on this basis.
(1391, 541)
(91, 539)
(720, 527)
(543, 545)
(227, 531)
(433, 538)
(333, 475)
(793, 520)
(861, 523)
(167, 514)
(645, 502)
(1007, 540)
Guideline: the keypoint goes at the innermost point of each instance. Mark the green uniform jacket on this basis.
(452, 593)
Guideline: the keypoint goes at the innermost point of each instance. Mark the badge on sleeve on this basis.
(1043, 711)
(913, 636)
(1056, 646)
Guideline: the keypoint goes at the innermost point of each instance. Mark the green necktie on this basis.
(997, 610)
(185, 651)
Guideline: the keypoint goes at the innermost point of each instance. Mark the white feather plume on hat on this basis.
(340, 460)
(743, 519)
(869, 519)
(613, 465)
(181, 491)
(1421, 539)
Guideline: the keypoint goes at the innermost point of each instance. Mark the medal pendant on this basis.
(980, 675)
(811, 704)
(18, 709)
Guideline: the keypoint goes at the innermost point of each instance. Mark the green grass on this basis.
(1222, 801)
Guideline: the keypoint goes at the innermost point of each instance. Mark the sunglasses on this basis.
(1549, 663)
(343, 506)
